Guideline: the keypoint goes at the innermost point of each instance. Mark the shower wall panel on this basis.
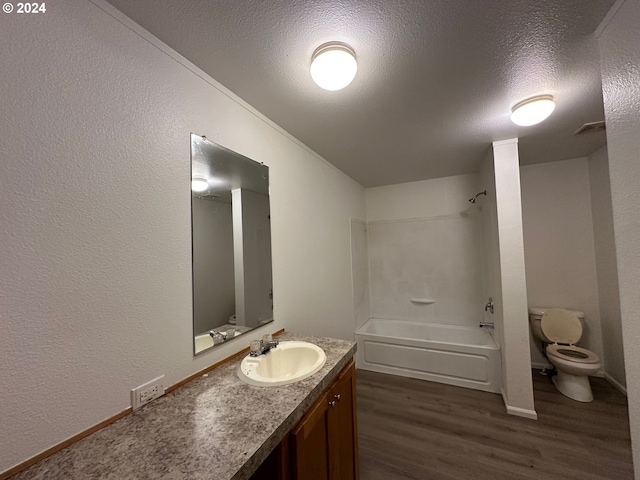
(427, 259)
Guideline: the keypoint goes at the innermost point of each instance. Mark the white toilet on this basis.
(561, 329)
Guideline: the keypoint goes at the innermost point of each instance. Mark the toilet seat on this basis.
(571, 353)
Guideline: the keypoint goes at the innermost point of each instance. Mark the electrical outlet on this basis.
(149, 391)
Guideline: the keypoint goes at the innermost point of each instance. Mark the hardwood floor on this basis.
(414, 429)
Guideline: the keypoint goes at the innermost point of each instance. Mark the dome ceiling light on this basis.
(532, 110)
(333, 65)
(199, 184)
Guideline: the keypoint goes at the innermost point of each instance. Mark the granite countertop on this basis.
(214, 427)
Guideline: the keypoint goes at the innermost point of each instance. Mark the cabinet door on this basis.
(343, 439)
(310, 444)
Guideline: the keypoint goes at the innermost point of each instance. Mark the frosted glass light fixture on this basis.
(532, 110)
(333, 65)
(199, 184)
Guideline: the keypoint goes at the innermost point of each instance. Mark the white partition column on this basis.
(516, 364)
(252, 257)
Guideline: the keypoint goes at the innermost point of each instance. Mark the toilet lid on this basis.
(572, 353)
(561, 326)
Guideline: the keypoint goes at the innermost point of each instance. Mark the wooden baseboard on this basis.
(56, 448)
(211, 367)
(70, 441)
(171, 388)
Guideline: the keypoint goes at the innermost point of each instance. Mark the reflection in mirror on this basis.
(231, 243)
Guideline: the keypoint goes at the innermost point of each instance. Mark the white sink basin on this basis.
(289, 362)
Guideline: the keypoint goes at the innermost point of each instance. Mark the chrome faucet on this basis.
(487, 325)
(489, 306)
(260, 347)
(216, 334)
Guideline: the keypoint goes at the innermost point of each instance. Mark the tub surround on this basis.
(214, 426)
(423, 251)
(452, 354)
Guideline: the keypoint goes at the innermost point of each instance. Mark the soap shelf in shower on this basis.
(422, 301)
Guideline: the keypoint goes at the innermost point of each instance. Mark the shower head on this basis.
(473, 199)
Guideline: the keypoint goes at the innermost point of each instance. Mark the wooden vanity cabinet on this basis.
(324, 443)
(309, 443)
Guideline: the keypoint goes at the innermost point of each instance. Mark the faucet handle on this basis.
(255, 347)
(489, 305)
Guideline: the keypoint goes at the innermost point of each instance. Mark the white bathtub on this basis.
(456, 355)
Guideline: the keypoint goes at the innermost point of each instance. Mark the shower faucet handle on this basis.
(489, 305)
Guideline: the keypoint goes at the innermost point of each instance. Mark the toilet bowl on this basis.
(561, 329)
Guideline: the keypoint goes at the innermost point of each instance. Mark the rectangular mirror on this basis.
(231, 244)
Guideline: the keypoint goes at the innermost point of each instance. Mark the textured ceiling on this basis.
(436, 79)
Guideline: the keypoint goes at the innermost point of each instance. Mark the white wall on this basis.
(559, 247)
(424, 243)
(606, 267)
(619, 41)
(95, 269)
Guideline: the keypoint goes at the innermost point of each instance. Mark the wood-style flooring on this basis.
(419, 430)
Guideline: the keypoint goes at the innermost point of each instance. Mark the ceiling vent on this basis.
(591, 127)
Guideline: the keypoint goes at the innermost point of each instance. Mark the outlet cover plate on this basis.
(144, 394)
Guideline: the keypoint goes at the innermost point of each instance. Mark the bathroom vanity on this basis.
(218, 427)
(323, 444)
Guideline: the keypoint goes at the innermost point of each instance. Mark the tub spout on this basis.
(487, 325)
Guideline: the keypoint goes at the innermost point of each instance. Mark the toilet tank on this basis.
(535, 315)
